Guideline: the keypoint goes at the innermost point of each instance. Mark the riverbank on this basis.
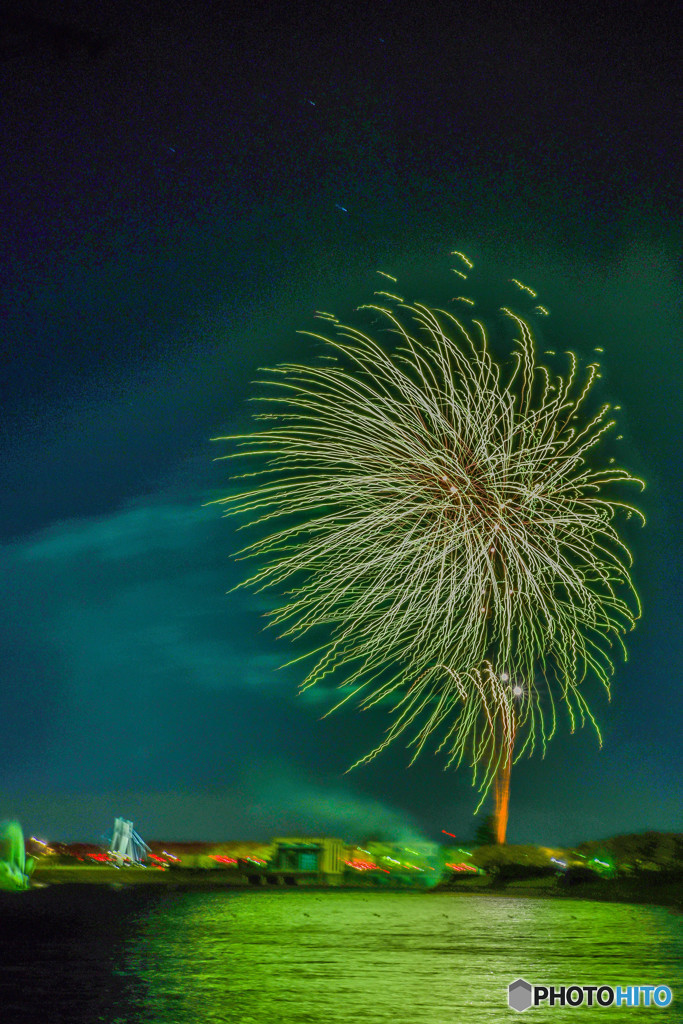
(654, 891)
(102, 875)
(657, 892)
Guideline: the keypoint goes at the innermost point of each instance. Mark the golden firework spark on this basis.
(448, 521)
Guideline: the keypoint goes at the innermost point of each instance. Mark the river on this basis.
(160, 956)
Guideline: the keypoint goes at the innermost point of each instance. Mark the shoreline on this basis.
(665, 893)
(668, 895)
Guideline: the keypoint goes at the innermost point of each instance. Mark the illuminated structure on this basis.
(446, 522)
(126, 846)
(314, 859)
(15, 867)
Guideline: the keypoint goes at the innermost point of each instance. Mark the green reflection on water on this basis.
(347, 957)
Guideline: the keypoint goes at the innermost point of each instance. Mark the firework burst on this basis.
(449, 522)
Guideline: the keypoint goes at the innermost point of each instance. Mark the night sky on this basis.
(181, 189)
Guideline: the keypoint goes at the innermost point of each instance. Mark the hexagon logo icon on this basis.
(520, 995)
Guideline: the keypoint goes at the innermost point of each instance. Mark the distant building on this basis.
(298, 858)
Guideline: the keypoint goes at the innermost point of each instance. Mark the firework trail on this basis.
(449, 522)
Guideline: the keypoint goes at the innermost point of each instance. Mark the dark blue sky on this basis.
(180, 190)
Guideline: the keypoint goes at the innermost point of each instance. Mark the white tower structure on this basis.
(126, 846)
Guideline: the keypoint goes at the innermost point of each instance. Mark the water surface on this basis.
(334, 957)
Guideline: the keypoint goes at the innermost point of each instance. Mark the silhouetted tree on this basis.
(485, 834)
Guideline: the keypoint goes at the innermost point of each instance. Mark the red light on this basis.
(452, 834)
(365, 865)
